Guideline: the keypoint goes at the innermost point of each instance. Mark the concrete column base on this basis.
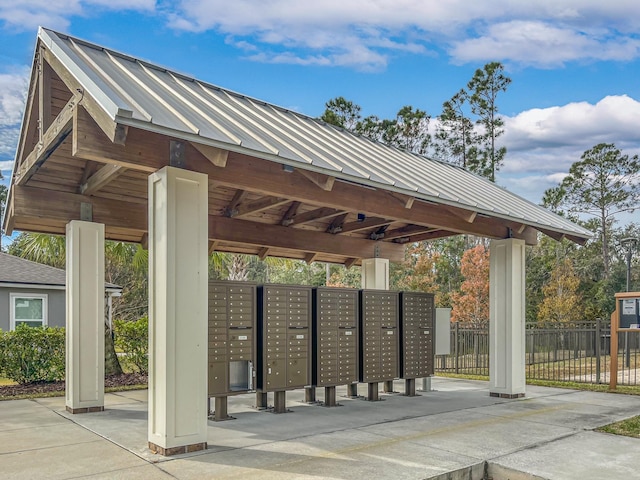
(85, 409)
(506, 395)
(168, 452)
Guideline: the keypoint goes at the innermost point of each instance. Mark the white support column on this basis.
(178, 240)
(507, 319)
(85, 317)
(375, 273)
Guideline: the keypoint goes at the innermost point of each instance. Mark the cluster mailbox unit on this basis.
(274, 338)
(379, 337)
(284, 347)
(232, 341)
(417, 317)
(335, 340)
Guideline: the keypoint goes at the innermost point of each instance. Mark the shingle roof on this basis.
(16, 270)
(139, 94)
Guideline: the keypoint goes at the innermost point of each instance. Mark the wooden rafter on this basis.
(287, 218)
(263, 253)
(424, 236)
(350, 262)
(336, 224)
(232, 209)
(366, 224)
(406, 231)
(216, 156)
(259, 205)
(325, 182)
(321, 213)
(102, 177)
(310, 258)
(59, 129)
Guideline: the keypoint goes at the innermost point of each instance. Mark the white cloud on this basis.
(544, 45)
(366, 34)
(29, 14)
(614, 119)
(13, 88)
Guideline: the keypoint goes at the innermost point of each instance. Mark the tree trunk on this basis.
(605, 246)
(111, 361)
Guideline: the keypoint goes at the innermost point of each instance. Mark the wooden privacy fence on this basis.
(575, 352)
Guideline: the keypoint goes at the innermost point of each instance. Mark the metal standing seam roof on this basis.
(15, 270)
(142, 95)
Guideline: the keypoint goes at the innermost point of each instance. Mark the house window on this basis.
(29, 308)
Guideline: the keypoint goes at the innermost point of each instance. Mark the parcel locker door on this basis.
(217, 380)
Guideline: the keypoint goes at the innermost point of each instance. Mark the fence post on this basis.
(455, 346)
(598, 352)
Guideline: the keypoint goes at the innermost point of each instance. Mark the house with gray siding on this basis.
(34, 294)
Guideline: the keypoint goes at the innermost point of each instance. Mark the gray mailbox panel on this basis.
(232, 337)
(417, 322)
(285, 337)
(379, 335)
(335, 339)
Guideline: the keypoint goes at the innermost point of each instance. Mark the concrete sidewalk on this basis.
(455, 428)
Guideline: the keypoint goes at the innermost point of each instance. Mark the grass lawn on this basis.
(628, 428)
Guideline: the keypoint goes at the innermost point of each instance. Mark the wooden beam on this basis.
(407, 231)
(142, 152)
(287, 218)
(114, 132)
(212, 246)
(350, 262)
(53, 137)
(310, 258)
(90, 168)
(40, 209)
(44, 95)
(232, 209)
(216, 156)
(366, 224)
(325, 182)
(275, 236)
(263, 253)
(316, 215)
(466, 215)
(424, 236)
(144, 241)
(405, 200)
(336, 225)
(268, 178)
(102, 177)
(259, 205)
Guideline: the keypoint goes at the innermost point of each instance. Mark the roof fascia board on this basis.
(101, 92)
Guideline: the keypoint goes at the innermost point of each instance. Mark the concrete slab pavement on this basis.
(447, 433)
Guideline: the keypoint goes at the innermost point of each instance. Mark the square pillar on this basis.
(507, 319)
(375, 273)
(84, 390)
(178, 274)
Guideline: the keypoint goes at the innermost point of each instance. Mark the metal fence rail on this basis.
(576, 352)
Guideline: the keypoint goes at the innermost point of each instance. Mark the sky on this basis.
(574, 64)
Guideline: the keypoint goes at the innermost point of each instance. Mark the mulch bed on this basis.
(47, 387)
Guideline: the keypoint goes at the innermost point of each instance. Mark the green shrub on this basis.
(33, 354)
(133, 339)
